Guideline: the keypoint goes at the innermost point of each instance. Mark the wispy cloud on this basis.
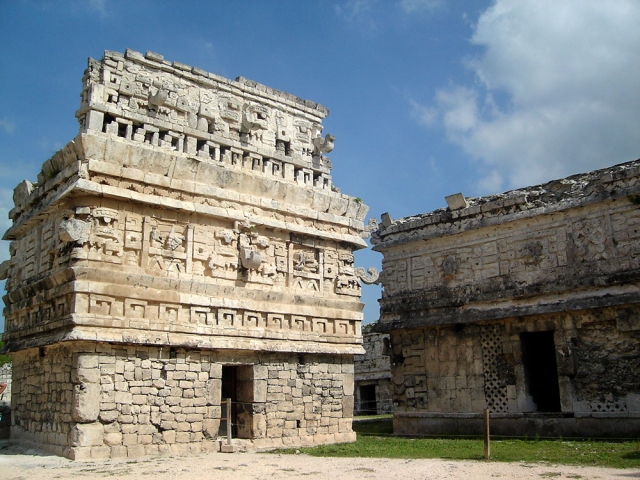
(7, 125)
(359, 13)
(567, 75)
(99, 6)
(84, 7)
(424, 114)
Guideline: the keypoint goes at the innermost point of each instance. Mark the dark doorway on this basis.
(237, 384)
(229, 390)
(368, 404)
(540, 370)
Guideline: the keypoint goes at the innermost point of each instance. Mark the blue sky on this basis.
(427, 97)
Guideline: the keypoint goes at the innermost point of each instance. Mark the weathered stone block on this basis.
(135, 450)
(108, 416)
(118, 451)
(347, 406)
(113, 438)
(260, 372)
(86, 402)
(213, 387)
(633, 403)
(87, 435)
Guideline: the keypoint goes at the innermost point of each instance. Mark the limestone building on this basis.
(372, 375)
(526, 303)
(187, 246)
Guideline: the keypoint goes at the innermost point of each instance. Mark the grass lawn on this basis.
(374, 441)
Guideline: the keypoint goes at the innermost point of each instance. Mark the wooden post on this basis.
(228, 421)
(228, 447)
(487, 438)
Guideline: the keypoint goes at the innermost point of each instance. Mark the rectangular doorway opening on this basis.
(229, 390)
(368, 404)
(237, 384)
(540, 370)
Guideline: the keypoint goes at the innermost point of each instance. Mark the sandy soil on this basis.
(17, 464)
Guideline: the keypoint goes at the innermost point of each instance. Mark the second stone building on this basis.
(526, 303)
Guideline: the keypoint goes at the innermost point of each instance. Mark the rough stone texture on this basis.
(192, 216)
(152, 400)
(372, 374)
(464, 289)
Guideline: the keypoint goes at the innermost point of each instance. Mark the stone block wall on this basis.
(383, 389)
(456, 371)
(438, 370)
(86, 400)
(605, 378)
(42, 396)
(373, 375)
(375, 360)
(308, 402)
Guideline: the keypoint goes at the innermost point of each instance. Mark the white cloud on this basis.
(7, 125)
(567, 73)
(426, 115)
(491, 182)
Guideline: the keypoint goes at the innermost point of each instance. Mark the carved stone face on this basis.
(450, 267)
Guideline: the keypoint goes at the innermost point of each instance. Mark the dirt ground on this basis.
(20, 464)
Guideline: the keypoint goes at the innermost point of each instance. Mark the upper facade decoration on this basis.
(190, 203)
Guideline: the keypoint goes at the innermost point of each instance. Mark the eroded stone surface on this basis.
(372, 375)
(469, 293)
(191, 215)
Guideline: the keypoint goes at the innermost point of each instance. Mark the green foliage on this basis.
(4, 358)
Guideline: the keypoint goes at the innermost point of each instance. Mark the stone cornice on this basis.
(617, 182)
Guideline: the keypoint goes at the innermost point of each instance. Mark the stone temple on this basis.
(526, 303)
(186, 247)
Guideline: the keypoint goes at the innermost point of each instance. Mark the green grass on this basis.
(568, 452)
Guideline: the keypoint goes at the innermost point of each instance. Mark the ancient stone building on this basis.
(373, 394)
(186, 247)
(526, 303)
